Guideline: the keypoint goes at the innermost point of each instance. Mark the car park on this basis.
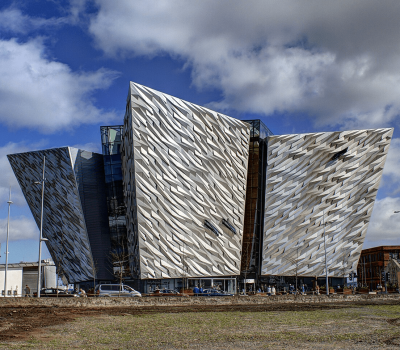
(115, 290)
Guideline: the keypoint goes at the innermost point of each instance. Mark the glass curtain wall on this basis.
(111, 139)
(255, 199)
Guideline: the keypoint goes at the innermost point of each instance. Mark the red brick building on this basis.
(373, 262)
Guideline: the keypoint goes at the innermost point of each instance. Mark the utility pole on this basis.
(297, 261)
(183, 269)
(8, 234)
(365, 276)
(326, 264)
(371, 280)
(41, 230)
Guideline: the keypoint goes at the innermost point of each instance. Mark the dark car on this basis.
(165, 293)
(214, 293)
(52, 293)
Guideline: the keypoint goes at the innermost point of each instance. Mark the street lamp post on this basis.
(41, 230)
(326, 264)
(8, 234)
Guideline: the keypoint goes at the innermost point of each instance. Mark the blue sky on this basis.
(300, 66)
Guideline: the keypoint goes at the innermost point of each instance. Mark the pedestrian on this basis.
(269, 291)
(273, 290)
(27, 291)
(303, 290)
(317, 289)
(196, 290)
(82, 293)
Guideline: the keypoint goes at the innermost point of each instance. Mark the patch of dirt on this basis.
(20, 323)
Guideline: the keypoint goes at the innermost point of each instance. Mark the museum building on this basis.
(182, 194)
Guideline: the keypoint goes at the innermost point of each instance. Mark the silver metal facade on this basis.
(185, 170)
(64, 220)
(312, 178)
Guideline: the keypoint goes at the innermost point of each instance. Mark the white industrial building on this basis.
(26, 273)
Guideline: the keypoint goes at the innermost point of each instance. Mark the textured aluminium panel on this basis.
(183, 165)
(64, 223)
(330, 177)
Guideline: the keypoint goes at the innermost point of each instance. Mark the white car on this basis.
(115, 290)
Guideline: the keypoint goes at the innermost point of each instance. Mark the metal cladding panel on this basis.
(184, 167)
(63, 217)
(330, 177)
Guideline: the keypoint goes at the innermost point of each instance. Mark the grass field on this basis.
(361, 327)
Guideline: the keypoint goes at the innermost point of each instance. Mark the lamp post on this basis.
(8, 234)
(326, 264)
(41, 230)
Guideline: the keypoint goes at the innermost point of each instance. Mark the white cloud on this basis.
(90, 146)
(337, 61)
(7, 177)
(39, 93)
(391, 171)
(384, 227)
(20, 228)
(12, 20)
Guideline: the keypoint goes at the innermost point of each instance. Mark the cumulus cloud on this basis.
(39, 93)
(391, 172)
(12, 20)
(337, 61)
(7, 177)
(384, 227)
(90, 146)
(20, 228)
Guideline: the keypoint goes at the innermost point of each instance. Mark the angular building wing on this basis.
(318, 178)
(194, 194)
(75, 212)
(185, 170)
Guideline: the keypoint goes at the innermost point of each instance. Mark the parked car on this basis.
(115, 290)
(52, 293)
(165, 293)
(214, 293)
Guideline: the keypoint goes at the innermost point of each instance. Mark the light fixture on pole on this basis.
(8, 234)
(41, 239)
(326, 264)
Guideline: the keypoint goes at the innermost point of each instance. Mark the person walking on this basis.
(27, 291)
(196, 290)
(273, 290)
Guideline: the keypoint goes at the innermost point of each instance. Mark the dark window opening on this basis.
(339, 154)
(229, 226)
(211, 227)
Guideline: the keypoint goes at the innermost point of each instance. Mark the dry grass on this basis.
(356, 328)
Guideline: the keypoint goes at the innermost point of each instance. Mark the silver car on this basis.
(115, 290)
